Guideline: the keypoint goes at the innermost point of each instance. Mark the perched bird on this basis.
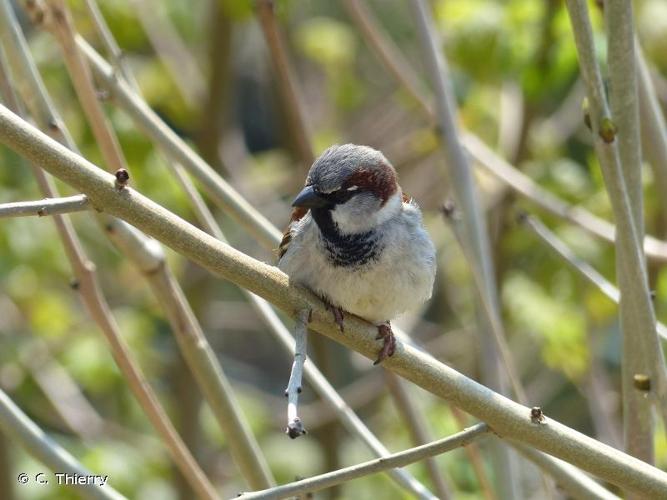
(357, 241)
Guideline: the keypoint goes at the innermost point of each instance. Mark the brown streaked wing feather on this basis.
(297, 214)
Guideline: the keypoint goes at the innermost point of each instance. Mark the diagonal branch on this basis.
(400, 459)
(16, 425)
(176, 148)
(579, 265)
(291, 103)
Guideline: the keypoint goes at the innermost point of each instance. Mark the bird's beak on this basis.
(308, 198)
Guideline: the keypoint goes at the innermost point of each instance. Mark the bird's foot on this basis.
(337, 313)
(389, 346)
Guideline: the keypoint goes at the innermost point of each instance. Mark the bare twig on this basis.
(47, 206)
(391, 57)
(400, 459)
(415, 420)
(176, 148)
(524, 185)
(452, 216)
(295, 427)
(286, 82)
(506, 417)
(110, 44)
(579, 265)
(172, 51)
(475, 458)
(56, 19)
(61, 390)
(577, 486)
(16, 425)
(653, 127)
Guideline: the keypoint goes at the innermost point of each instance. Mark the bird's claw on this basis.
(337, 315)
(389, 346)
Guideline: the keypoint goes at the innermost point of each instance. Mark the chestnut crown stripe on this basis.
(380, 181)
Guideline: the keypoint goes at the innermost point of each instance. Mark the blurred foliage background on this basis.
(204, 67)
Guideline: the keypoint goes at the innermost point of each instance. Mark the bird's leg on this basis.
(337, 313)
(389, 346)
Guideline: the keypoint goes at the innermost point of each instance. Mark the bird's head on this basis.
(355, 187)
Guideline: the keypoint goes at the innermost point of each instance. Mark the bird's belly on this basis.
(376, 293)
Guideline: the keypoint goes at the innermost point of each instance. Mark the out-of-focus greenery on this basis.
(563, 333)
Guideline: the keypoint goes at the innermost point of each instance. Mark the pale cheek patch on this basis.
(352, 188)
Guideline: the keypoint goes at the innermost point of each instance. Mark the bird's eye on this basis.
(344, 194)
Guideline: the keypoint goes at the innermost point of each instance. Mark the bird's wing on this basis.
(297, 214)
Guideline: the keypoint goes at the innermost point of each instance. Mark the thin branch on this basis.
(524, 185)
(286, 81)
(212, 380)
(390, 56)
(109, 42)
(295, 427)
(400, 459)
(453, 217)
(171, 50)
(17, 426)
(56, 19)
(62, 391)
(475, 458)
(147, 120)
(579, 265)
(47, 206)
(507, 418)
(653, 127)
(415, 420)
(568, 478)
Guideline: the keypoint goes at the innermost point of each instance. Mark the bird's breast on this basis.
(346, 250)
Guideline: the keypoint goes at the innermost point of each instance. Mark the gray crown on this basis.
(339, 162)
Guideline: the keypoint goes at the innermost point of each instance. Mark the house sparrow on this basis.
(357, 241)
